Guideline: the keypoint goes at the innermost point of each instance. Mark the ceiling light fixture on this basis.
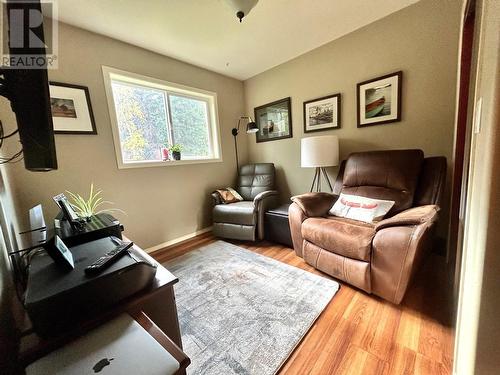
(241, 7)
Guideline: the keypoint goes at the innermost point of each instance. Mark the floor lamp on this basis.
(320, 152)
(251, 128)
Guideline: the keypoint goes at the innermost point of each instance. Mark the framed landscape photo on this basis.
(322, 114)
(274, 120)
(379, 100)
(71, 109)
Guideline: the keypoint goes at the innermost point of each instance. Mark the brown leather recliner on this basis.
(379, 258)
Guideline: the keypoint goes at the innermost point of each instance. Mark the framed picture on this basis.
(379, 100)
(71, 109)
(274, 120)
(322, 114)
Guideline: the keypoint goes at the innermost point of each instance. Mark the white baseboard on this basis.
(177, 240)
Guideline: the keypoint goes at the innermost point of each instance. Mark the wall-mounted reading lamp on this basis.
(251, 128)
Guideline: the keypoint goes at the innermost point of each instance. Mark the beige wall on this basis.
(420, 40)
(162, 203)
(488, 342)
(477, 348)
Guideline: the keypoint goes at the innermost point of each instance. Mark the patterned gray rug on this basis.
(241, 312)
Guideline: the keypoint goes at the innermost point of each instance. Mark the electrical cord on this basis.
(18, 155)
(19, 295)
(12, 159)
(11, 134)
(19, 277)
(31, 254)
(21, 261)
(28, 249)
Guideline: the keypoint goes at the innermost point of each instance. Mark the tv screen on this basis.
(28, 91)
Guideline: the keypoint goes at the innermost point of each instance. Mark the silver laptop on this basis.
(119, 347)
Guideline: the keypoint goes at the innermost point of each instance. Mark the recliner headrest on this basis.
(391, 175)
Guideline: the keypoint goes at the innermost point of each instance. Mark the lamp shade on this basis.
(252, 127)
(320, 151)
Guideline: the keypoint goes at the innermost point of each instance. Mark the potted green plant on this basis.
(176, 151)
(85, 208)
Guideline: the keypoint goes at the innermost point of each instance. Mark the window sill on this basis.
(168, 163)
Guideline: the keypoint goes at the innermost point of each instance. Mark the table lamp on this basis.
(320, 152)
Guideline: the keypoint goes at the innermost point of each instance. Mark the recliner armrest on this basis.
(262, 202)
(265, 194)
(398, 249)
(411, 216)
(215, 199)
(315, 204)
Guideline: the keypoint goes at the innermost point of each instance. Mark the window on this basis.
(149, 114)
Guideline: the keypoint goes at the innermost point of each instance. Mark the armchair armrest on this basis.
(398, 249)
(315, 204)
(265, 194)
(411, 216)
(263, 202)
(215, 199)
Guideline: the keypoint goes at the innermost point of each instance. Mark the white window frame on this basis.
(110, 74)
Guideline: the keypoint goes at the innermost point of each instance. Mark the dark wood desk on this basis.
(157, 301)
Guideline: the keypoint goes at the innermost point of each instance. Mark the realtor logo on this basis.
(31, 27)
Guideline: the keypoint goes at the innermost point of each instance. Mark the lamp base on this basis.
(317, 179)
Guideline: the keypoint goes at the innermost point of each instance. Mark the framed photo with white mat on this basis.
(379, 100)
(322, 113)
(71, 109)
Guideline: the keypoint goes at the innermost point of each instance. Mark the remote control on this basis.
(108, 259)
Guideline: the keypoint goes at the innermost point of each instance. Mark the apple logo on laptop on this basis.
(101, 364)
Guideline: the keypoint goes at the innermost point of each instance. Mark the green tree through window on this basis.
(189, 125)
(142, 120)
(149, 118)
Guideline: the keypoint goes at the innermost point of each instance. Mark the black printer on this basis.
(74, 230)
(95, 227)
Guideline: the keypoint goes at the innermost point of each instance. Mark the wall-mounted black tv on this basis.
(28, 92)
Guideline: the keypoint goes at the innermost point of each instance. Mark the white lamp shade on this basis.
(320, 151)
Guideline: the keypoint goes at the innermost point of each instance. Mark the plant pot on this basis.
(176, 155)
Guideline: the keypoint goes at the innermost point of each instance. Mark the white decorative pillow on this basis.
(361, 208)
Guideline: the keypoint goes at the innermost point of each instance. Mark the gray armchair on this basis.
(244, 220)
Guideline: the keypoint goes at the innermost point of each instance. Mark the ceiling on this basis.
(206, 33)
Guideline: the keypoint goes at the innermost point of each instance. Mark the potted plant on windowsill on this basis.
(176, 151)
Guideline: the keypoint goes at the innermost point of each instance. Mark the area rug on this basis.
(241, 312)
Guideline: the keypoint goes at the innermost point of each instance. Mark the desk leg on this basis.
(162, 310)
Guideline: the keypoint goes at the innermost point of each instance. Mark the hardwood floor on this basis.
(362, 334)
